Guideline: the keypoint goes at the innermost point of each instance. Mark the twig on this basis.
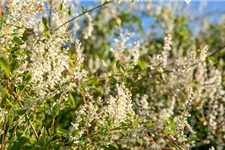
(173, 141)
(130, 73)
(3, 135)
(213, 53)
(155, 143)
(204, 118)
(87, 11)
(50, 16)
(216, 51)
(27, 117)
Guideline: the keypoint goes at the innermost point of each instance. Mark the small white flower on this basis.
(135, 52)
(187, 1)
(212, 148)
(203, 53)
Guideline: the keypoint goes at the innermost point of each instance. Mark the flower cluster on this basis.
(48, 63)
(162, 59)
(119, 108)
(90, 28)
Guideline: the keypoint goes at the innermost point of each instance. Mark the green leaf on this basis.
(57, 146)
(110, 146)
(4, 65)
(168, 132)
(45, 22)
(83, 9)
(40, 142)
(21, 111)
(51, 130)
(17, 40)
(28, 77)
(21, 143)
(212, 59)
(26, 34)
(63, 132)
(6, 99)
(23, 140)
(15, 145)
(69, 11)
(55, 111)
(149, 124)
(161, 75)
(193, 139)
(172, 124)
(61, 6)
(119, 66)
(14, 65)
(113, 81)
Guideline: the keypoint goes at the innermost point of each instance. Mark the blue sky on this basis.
(214, 6)
(210, 4)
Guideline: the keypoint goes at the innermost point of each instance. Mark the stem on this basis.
(83, 13)
(213, 53)
(50, 17)
(216, 51)
(26, 116)
(130, 73)
(3, 135)
(155, 143)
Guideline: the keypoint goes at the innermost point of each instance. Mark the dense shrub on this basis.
(101, 80)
